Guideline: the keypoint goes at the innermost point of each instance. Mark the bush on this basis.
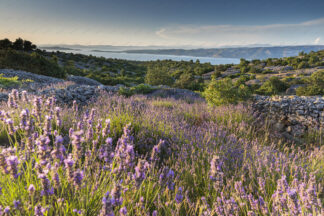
(12, 81)
(315, 85)
(33, 63)
(272, 86)
(223, 91)
(155, 76)
(139, 89)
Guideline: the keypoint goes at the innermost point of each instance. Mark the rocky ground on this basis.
(81, 89)
(292, 116)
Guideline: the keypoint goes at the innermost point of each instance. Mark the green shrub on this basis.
(266, 71)
(223, 91)
(142, 89)
(11, 81)
(272, 86)
(155, 76)
(139, 89)
(315, 85)
(33, 63)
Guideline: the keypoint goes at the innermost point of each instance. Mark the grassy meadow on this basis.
(146, 156)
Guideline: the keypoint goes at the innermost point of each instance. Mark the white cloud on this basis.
(317, 40)
(222, 35)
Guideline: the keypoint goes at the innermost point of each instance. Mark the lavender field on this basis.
(144, 156)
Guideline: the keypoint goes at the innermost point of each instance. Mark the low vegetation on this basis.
(140, 156)
(7, 82)
(221, 84)
(314, 85)
(31, 62)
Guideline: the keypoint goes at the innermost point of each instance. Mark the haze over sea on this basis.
(145, 57)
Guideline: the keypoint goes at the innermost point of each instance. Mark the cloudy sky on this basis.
(181, 23)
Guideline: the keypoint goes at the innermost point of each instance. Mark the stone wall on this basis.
(291, 114)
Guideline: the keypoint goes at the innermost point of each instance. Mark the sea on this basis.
(147, 57)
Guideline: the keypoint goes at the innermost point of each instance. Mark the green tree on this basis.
(302, 65)
(5, 44)
(221, 92)
(28, 46)
(154, 76)
(18, 44)
(272, 86)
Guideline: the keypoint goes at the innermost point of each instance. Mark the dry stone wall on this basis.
(291, 114)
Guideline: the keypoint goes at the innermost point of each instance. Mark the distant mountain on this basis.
(238, 52)
(56, 48)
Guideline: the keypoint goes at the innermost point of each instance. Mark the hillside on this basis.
(241, 52)
(73, 146)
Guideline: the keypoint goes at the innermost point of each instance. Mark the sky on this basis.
(173, 23)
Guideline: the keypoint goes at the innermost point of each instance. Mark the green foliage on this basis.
(315, 85)
(34, 63)
(5, 44)
(11, 81)
(241, 80)
(220, 92)
(19, 44)
(302, 65)
(255, 70)
(188, 81)
(139, 89)
(272, 86)
(216, 75)
(267, 71)
(155, 76)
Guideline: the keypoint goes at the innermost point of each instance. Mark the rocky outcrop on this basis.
(183, 94)
(81, 89)
(83, 80)
(82, 94)
(291, 114)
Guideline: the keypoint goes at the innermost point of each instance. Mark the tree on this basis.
(18, 44)
(302, 65)
(272, 86)
(28, 46)
(154, 76)
(222, 92)
(185, 81)
(122, 72)
(5, 43)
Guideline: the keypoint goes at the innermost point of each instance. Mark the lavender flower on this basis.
(106, 129)
(76, 142)
(24, 96)
(75, 106)
(39, 210)
(69, 163)
(107, 206)
(116, 195)
(179, 196)
(58, 116)
(12, 165)
(7, 210)
(216, 173)
(77, 178)
(11, 128)
(48, 125)
(16, 204)
(123, 211)
(167, 178)
(140, 171)
(47, 189)
(31, 189)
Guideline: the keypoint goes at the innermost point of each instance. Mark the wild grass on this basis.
(152, 157)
